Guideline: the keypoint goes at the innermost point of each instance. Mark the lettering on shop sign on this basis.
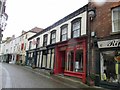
(114, 43)
(109, 43)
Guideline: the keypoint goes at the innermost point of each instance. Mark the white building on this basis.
(3, 17)
(50, 48)
(14, 49)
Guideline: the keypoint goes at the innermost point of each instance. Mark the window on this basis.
(69, 66)
(22, 46)
(53, 37)
(116, 19)
(110, 66)
(30, 44)
(38, 41)
(76, 26)
(45, 40)
(79, 60)
(64, 30)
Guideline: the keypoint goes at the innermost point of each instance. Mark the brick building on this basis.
(104, 47)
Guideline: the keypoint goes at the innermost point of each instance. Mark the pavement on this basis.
(71, 81)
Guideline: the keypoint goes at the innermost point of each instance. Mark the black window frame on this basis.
(45, 40)
(72, 23)
(30, 44)
(51, 39)
(37, 42)
(61, 34)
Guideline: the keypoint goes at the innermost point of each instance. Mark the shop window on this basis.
(44, 59)
(48, 58)
(116, 19)
(69, 66)
(45, 40)
(76, 28)
(79, 61)
(110, 66)
(52, 58)
(53, 37)
(64, 30)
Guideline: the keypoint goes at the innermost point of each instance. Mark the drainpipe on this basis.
(91, 16)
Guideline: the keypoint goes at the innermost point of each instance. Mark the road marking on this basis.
(8, 79)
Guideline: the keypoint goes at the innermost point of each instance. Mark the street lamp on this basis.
(91, 13)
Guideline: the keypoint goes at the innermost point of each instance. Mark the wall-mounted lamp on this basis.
(91, 13)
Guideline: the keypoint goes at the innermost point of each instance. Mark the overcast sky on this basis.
(27, 14)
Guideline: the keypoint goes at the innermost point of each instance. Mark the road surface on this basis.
(15, 76)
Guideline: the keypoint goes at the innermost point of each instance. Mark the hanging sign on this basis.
(109, 43)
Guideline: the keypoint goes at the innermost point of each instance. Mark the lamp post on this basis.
(91, 16)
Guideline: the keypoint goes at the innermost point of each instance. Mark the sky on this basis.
(27, 14)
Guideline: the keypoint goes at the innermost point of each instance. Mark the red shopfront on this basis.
(71, 58)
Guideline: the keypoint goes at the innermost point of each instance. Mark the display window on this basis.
(74, 61)
(110, 66)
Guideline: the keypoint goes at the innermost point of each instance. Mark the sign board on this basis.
(109, 43)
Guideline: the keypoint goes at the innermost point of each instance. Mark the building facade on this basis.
(13, 49)
(61, 48)
(3, 17)
(105, 44)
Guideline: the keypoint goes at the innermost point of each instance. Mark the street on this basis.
(15, 76)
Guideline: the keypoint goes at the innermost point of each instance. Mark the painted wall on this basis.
(57, 28)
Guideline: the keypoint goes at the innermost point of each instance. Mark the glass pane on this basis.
(116, 13)
(79, 61)
(53, 41)
(48, 61)
(110, 70)
(53, 35)
(44, 61)
(64, 37)
(69, 66)
(76, 25)
(76, 33)
(64, 30)
(116, 25)
(38, 60)
(52, 61)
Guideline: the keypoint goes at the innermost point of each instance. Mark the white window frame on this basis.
(113, 30)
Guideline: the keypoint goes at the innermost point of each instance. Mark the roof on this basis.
(35, 30)
(66, 18)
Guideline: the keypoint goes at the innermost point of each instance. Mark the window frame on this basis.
(72, 23)
(113, 26)
(51, 39)
(45, 42)
(61, 29)
(37, 42)
(30, 44)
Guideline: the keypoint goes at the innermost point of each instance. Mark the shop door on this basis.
(63, 60)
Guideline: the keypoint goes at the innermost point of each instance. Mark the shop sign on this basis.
(43, 48)
(109, 43)
(63, 48)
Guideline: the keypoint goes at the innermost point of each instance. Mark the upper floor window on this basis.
(116, 19)
(76, 28)
(64, 30)
(53, 37)
(30, 43)
(45, 40)
(37, 42)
